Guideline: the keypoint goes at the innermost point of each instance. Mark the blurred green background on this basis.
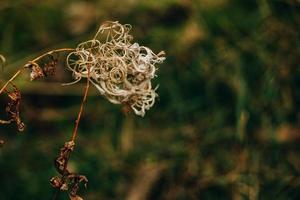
(226, 124)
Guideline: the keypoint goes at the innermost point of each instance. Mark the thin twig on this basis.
(73, 138)
(10, 80)
(51, 52)
(74, 134)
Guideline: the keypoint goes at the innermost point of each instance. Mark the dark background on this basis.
(225, 125)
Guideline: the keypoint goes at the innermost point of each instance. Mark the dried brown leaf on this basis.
(62, 160)
(49, 68)
(36, 71)
(13, 108)
(67, 181)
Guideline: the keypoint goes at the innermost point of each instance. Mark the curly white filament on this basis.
(120, 70)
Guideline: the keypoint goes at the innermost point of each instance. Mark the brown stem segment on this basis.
(81, 107)
(51, 52)
(10, 80)
(74, 134)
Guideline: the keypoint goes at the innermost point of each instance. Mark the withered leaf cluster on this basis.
(67, 181)
(48, 68)
(13, 107)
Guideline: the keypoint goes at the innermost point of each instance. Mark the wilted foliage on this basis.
(48, 68)
(67, 181)
(13, 107)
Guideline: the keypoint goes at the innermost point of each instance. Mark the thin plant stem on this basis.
(51, 52)
(74, 134)
(10, 80)
(73, 138)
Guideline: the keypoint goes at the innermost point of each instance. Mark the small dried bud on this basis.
(20, 125)
(56, 182)
(69, 145)
(36, 71)
(49, 69)
(64, 187)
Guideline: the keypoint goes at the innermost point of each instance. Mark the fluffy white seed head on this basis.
(121, 70)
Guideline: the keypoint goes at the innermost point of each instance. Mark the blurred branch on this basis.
(146, 177)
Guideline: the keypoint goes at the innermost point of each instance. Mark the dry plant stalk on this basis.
(118, 68)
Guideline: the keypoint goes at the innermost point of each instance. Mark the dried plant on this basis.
(67, 181)
(13, 108)
(119, 69)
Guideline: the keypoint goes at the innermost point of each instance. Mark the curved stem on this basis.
(33, 61)
(10, 80)
(51, 52)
